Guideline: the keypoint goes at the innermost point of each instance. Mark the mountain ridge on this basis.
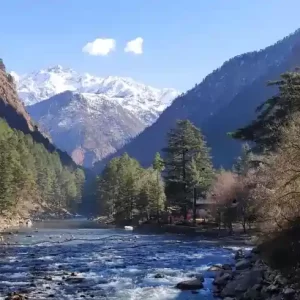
(214, 94)
(87, 131)
(144, 100)
(90, 117)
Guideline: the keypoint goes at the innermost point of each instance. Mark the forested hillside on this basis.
(225, 99)
(34, 175)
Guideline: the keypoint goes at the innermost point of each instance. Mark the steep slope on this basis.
(13, 111)
(223, 101)
(87, 126)
(144, 101)
(35, 176)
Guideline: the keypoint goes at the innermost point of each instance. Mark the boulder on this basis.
(242, 283)
(289, 292)
(194, 284)
(279, 279)
(243, 264)
(239, 254)
(255, 250)
(215, 268)
(223, 279)
(200, 277)
(272, 289)
(226, 267)
(158, 276)
(253, 292)
(75, 279)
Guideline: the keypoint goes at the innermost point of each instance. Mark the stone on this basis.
(159, 276)
(75, 279)
(269, 276)
(253, 292)
(215, 268)
(243, 264)
(272, 288)
(226, 267)
(242, 283)
(239, 254)
(275, 297)
(200, 277)
(279, 279)
(195, 284)
(255, 250)
(223, 279)
(289, 292)
(48, 278)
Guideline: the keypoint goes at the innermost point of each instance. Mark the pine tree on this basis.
(158, 166)
(29, 174)
(273, 114)
(243, 162)
(188, 164)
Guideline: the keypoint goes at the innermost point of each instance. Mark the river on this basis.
(109, 263)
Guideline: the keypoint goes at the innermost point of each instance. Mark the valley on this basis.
(122, 179)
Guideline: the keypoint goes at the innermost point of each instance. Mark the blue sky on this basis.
(183, 40)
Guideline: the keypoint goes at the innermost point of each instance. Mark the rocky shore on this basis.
(11, 222)
(250, 278)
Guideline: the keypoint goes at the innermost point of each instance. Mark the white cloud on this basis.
(135, 46)
(100, 47)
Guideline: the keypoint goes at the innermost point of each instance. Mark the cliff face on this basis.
(11, 108)
(15, 114)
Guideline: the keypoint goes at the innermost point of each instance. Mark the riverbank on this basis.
(250, 278)
(13, 222)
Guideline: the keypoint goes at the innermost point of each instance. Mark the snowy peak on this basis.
(138, 98)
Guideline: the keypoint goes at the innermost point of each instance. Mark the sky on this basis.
(163, 43)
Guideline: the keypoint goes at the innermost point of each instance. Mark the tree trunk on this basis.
(244, 222)
(244, 226)
(157, 198)
(195, 207)
(184, 184)
(184, 212)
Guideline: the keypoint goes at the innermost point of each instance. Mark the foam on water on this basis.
(127, 266)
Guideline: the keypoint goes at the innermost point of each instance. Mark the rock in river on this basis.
(194, 284)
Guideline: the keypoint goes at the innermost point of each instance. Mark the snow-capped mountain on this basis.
(87, 116)
(88, 126)
(144, 101)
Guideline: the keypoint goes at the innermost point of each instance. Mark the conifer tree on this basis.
(29, 174)
(243, 162)
(158, 166)
(273, 114)
(188, 164)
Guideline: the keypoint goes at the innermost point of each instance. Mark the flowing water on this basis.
(109, 264)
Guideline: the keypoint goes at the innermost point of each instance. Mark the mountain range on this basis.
(224, 101)
(95, 119)
(87, 116)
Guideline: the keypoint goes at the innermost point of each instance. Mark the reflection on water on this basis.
(108, 264)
